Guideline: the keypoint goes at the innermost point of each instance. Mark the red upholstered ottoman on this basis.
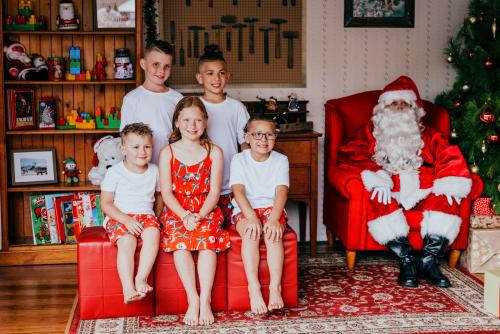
(170, 295)
(237, 286)
(99, 288)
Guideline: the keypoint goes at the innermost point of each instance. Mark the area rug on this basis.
(333, 299)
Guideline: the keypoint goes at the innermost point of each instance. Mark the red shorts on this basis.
(226, 207)
(263, 214)
(116, 230)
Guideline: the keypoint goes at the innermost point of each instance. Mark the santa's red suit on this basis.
(406, 166)
(443, 172)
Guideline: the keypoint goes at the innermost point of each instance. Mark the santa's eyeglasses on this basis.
(260, 135)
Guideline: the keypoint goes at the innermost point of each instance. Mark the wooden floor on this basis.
(36, 299)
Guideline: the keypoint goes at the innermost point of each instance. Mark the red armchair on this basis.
(345, 198)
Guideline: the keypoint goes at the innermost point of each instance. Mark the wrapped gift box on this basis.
(483, 221)
(482, 206)
(483, 251)
(492, 291)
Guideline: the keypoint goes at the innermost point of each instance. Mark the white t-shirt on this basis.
(226, 121)
(153, 109)
(259, 178)
(134, 193)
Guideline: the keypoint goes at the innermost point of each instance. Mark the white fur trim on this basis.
(452, 185)
(440, 223)
(379, 179)
(394, 95)
(389, 227)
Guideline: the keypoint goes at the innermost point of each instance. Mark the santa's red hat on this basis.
(403, 88)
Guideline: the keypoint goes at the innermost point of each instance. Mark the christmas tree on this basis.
(474, 100)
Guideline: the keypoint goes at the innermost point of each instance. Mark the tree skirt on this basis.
(334, 300)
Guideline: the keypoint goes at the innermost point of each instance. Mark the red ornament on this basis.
(488, 64)
(493, 139)
(487, 116)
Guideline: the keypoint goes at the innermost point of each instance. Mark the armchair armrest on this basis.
(344, 181)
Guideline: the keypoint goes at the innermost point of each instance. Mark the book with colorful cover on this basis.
(87, 211)
(56, 233)
(64, 217)
(41, 231)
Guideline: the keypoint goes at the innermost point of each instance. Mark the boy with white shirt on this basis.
(127, 199)
(260, 180)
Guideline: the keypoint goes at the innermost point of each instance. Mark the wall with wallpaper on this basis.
(342, 61)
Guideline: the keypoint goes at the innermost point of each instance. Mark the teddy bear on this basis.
(109, 153)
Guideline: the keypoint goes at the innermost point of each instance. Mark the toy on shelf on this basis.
(25, 20)
(21, 66)
(67, 20)
(76, 120)
(70, 171)
(110, 122)
(99, 73)
(293, 102)
(123, 67)
(108, 153)
(75, 66)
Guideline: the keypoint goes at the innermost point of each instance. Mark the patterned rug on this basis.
(334, 300)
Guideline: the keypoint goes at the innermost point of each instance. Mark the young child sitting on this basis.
(127, 198)
(191, 178)
(259, 180)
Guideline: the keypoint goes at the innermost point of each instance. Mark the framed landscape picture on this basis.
(21, 108)
(114, 14)
(379, 13)
(33, 166)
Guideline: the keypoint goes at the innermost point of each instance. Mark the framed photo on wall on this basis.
(21, 108)
(33, 166)
(379, 13)
(114, 14)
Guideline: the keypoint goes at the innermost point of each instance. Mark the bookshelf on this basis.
(17, 242)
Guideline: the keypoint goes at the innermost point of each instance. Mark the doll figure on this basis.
(70, 170)
(293, 102)
(67, 20)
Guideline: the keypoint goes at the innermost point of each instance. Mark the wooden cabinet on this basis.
(302, 152)
(17, 242)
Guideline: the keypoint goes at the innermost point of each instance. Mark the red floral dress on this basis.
(190, 185)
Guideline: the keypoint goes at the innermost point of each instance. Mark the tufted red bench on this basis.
(237, 286)
(169, 292)
(99, 288)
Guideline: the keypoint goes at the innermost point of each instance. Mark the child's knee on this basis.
(127, 241)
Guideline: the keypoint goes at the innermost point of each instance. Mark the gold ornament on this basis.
(465, 88)
(472, 19)
(474, 168)
(483, 147)
(450, 58)
(453, 133)
(498, 187)
(494, 27)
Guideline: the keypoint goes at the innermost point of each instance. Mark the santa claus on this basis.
(404, 166)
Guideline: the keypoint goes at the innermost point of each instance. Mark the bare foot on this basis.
(206, 315)
(142, 286)
(192, 313)
(131, 296)
(275, 298)
(257, 303)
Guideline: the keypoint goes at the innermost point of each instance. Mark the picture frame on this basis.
(21, 108)
(114, 14)
(379, 13)
(33, 166)
(47, 113)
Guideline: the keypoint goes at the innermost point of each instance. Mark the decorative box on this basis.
(492, 291)
(483, 251)
(483, 221)
(481, 206)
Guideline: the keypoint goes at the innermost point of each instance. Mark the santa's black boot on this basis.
(407, 264)
(428, 269)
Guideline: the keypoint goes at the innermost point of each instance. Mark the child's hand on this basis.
(133, 226)
(190, 222)
(253, 230)
(273, 230)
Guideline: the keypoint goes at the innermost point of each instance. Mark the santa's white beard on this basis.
(398, 138)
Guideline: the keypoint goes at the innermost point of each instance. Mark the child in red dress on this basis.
(190, 182)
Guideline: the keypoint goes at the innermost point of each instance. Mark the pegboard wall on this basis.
(190, 24)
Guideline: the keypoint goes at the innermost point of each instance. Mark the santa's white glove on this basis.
(450, 199)
(383, 195)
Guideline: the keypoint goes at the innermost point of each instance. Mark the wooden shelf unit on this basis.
(16, 236)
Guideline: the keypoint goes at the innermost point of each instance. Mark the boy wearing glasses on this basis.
(127, 199)
(259, 181)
